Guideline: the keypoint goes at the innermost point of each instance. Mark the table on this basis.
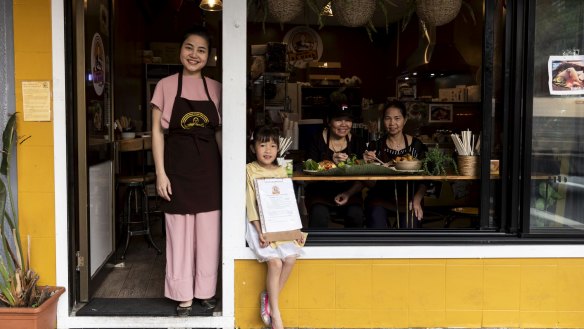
(301, 176)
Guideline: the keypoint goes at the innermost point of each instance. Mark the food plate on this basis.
(365, 169)
(399, 171)
(330, 172)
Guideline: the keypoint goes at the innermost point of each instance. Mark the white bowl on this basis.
(128, 135)
(408, 165)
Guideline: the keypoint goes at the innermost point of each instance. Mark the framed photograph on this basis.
(440, 113)
(566, 75)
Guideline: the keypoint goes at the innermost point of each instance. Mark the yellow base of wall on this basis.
(471, 293)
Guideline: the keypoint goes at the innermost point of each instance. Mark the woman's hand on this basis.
(342, 198)
(339, 157)
(416, 205)
(369, 156)
(163, 187)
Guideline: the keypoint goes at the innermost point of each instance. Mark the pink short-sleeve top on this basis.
(192, 89)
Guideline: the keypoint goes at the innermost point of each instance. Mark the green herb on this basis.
(310, 165)
(435, 162)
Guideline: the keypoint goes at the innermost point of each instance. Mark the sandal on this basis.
(209, 303)
(265, 309)
(183, 310)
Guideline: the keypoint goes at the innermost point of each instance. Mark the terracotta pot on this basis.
(437, 12)
(42, 317)
(285, 10)
(353, 13)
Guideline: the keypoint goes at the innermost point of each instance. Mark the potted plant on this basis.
(435, 162)
(23, 304)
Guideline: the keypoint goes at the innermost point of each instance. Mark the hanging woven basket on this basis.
(437, 12)
(353, 13)
(285, 11)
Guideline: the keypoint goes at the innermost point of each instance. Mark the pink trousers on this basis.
(192, 255)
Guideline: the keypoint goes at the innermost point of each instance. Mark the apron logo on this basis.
(194, 119)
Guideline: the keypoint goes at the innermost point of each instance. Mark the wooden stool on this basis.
(135, 215)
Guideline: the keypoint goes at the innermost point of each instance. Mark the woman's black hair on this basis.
(198, 31)
(398, 105)
(264, 134)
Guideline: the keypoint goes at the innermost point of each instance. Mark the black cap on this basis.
(339, 111)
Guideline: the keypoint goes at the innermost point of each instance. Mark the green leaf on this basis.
(7, 143)
(540, 204)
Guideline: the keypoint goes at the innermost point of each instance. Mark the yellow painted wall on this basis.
(532, 293)
(36, 204)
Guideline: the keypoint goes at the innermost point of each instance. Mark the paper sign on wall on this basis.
(36, 100)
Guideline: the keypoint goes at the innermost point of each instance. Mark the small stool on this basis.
(471, 213)
(135, 214)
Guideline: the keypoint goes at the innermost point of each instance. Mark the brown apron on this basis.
(191, 156)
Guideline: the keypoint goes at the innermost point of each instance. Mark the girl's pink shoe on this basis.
(265, 309)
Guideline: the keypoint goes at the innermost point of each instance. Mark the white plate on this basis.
(407, 171)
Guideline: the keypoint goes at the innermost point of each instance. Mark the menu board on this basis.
(278, 210)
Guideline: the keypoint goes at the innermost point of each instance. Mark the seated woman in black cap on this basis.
(337, 144)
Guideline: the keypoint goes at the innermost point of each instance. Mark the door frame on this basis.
(234, 48)
(84, 282)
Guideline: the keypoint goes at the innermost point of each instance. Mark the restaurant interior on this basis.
(434, 70)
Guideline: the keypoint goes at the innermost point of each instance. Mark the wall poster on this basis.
(566, 75)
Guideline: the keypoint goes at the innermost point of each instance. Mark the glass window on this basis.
(297, 70)
(557, 162)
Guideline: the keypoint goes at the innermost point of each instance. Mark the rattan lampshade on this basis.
(285, 10)
(353, 13)
(437, 12)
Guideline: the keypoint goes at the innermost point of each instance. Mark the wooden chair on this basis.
(135, 217)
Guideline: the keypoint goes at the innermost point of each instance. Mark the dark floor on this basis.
(141, 273)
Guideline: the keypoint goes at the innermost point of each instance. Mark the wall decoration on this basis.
(566, 75)
(97, 64)
(304, 45)
(440, 113)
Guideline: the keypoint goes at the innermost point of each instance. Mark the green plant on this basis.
(18, 282)
(435, 162)
(548, 196)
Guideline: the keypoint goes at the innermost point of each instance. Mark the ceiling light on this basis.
(211, 5)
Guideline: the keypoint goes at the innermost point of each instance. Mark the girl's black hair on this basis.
(264, 134)
(398, 105)
(198, 31)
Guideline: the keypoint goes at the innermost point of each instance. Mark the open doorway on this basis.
(120, 49)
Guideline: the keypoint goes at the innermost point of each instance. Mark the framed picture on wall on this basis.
(440, 113)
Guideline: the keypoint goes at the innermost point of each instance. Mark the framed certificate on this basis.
(278, 210)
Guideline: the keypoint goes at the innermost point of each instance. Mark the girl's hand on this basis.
(369, 156)
(301, 240)
(339, 157)
(263, 242)
(163, 187)
(342, 199)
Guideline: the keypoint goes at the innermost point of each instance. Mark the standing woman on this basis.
(337, 144)
(388, 197)
(187, 106)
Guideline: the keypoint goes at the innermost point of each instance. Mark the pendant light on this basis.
(211, 5)
(327, 10)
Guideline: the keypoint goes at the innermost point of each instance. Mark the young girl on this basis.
(279, 255)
